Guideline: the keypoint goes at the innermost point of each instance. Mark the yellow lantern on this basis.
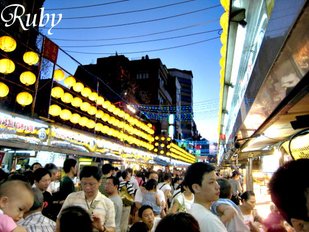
(85, 92)
(7, 43)
(92, 110)
(100, 100)
(75, 118)
(57, 92)
(93, 96)
(90, 124)
(67, 97)
(76, 102)
(59, 75)
(83, 121)
(69, 81)
(24, 98)
(27, 78)
(225, 4)
(78, 87)
(224, 20)
(4, 90)
(65, 114)
(31, 58)
(6, 66)
(98, 127)
(106, 104)
(54, 110)
(85, 106)
(99, 114)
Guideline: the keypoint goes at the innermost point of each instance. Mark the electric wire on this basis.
(126, 12)
(142, 41)
(145, 51)
(138, 36)
(85, 6)
(137, 22)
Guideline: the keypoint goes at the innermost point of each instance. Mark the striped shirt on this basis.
(130, 188)
(37, 222)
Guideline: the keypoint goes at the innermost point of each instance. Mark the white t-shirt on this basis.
(207, 221)
(139, 195)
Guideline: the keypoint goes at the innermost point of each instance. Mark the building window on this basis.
(142, 76)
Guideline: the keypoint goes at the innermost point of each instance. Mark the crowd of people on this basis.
(107, 199)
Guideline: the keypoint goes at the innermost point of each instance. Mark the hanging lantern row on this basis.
(58, 92)
(66, 97)
(7, 43)
(70, 82)
(4, 90)
(75, 118)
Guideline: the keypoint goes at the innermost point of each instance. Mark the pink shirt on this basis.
(7, 224)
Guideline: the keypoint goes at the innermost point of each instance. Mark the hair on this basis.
(39, 173)
(75, 218)
(32, 166)
(151, 184)
(3, 175)
(225, 188)
(38, 199)
(139, 227)
(115, 180)
(152, 172)
(142, 209)
(107, 168)
(124, 174)
(235, 173)
(90, 171)
(246, 195)
(179, 222)
(11, 187)
(195, 173)
(68, 164)
(51, 167)
(167, 176)
(130, 170)
(288, 187)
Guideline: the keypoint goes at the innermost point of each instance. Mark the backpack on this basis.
(127, 199)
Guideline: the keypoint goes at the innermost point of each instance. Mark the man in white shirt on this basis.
(202, 180)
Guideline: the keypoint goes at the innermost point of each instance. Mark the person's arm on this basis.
(226, 212)
(158, 202)
(19, 229)
(97, 224)
(175, 206)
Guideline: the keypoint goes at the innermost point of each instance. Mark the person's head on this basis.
(248, 200)
(179, 222)
(139, 227)
(225, 188)
(235, 175)
(151, 184)
(16, 198)
(111, 185)
(90, 177)
(126, 175)
(167, 177)
(53, 169)
(42, 178)
(289, 190)
(69, 165)
(35, 166)
(74, 218)
(107, 169)
(202, 181)
(130, 170)
(38, 201)
(146, 214)
(153, 175)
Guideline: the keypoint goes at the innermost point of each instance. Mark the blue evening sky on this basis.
(184, 34)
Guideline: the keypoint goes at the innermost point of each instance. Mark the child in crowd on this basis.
(16, 198)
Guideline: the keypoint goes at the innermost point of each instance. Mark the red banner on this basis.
(1, 157)
(50, 50)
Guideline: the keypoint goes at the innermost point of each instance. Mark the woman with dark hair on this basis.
(179, 222)
(74, 218)
(183, 200)
(150, 197)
